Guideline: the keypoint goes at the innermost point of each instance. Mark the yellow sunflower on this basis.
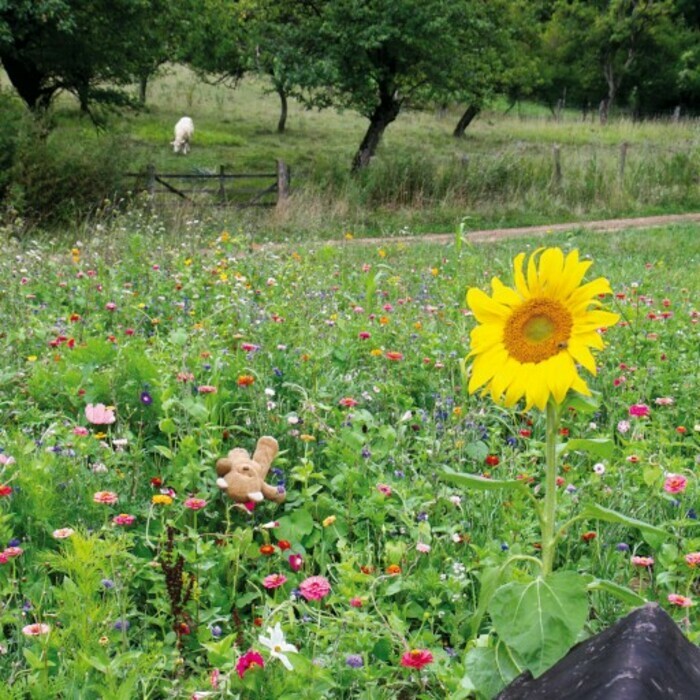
(531, 338)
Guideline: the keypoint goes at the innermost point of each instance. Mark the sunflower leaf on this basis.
(593, 510)
(602, 447)
(479, 483)
(622, 593)
(541, 619)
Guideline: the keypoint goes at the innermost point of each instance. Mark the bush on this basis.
(12, 119)
(64, 177)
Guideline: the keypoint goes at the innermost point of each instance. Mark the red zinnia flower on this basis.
(393, 355)
(492, 460)
(416, 658)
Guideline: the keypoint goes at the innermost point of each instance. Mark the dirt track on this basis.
(502, 233)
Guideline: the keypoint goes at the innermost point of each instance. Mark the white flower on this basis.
(456, 500)
(278, 646)
(599, 468)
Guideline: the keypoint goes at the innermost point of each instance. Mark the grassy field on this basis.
(422, 179)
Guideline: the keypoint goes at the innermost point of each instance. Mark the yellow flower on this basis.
(327, 522)
(531, 338)
(161, 499)
(376, 352)
(304, 437)
(31, 358)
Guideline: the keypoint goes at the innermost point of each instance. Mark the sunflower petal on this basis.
(519, 277)
(484, 307)
(581, 354)
(551, 265)
(505, 295)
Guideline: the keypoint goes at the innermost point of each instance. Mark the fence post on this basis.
(222, 183)
(151, 178)
(623, 158)
(283, 178)
(556, 174)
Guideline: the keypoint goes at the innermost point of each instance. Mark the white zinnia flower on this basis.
(278, 646)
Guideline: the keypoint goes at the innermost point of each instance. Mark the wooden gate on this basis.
(220, 188)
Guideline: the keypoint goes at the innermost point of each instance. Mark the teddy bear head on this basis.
(243, 477)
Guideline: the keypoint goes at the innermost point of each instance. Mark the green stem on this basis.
(549, 540)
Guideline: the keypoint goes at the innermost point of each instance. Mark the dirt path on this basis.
(503, 233)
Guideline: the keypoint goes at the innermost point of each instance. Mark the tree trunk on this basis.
(282, 123)
(465, 120)
(386, 112)
(143, 87)
(28, 80)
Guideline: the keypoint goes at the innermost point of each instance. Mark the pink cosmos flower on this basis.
(642, 561)
(422, 547)
(195, 503)
(693, 559)
(296, 561)
(274, 581)
(675, 483)
(123, 519)
(416, 658)
(99, 414)
(639, 410)
(680, 600)
(315, 587)
(247, 660)
(108, 498)
(80, 431)
(35, 630)
(63, 533)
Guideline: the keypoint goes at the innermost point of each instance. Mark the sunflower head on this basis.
(531, 337)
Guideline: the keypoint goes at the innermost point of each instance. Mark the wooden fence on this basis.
(231, 189)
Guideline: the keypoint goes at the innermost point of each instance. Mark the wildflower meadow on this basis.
(487, 452)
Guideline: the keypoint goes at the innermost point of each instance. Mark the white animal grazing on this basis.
(184, 131)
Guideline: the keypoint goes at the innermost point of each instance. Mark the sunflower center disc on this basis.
(537, 330)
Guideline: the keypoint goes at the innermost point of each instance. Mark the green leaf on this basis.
(657, 535)
(477, 450)
(582, 404)
(164, 451)
(601, 447)
(295, 526)
(490, 669)
(167, 426)
(382, 650)
(479, 483)
(541, 619)
(620, 592)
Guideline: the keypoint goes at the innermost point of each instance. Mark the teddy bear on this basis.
(243, 478)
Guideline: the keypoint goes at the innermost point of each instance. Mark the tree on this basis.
(377, 56)
(91, 48)
(601, 41)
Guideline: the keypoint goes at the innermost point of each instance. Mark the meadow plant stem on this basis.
(549, 538)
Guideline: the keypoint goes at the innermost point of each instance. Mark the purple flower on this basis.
(146, 398)
(622, 547)
(354, 661)
(122, 625)
(107, 583)
(216, 631)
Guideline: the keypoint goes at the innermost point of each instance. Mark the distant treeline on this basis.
(372, 56)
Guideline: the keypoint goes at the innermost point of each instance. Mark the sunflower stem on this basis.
(549, 538)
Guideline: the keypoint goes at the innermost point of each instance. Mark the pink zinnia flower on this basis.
(63, 533)
(422, 547)
(11, 552)
(347, 402)
(642, 561)
(693, 559)
(99, 414)
(250, 658)
(296, 561)
(680, 600)
(107, 497)
(195, 503)
(315, 587)
(675, 483)
(274, 581)
(5, 490)
(393, 355)
(364, 335)
(639, 410)
(206, 389)
(35, 630)
(6, 460)
(664, 401)
(356, 602)
(123, 519)
(384, 489)
(80, 431)
(416, 658)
